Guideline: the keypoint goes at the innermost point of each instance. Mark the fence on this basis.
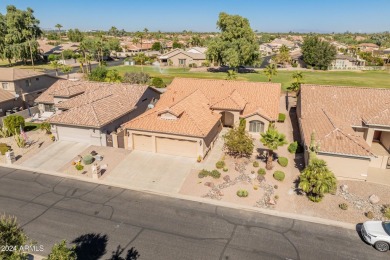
(358, 68)
(24, 113)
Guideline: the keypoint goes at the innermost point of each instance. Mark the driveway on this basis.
(55, 156)
(159, 172)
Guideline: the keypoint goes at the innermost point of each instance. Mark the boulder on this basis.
(344, 188)
(209, 184)
(226, 178)
(271, 201)
(260, 178)
(220, 193)
(374, 199)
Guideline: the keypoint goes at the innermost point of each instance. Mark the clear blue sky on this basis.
(178, 15)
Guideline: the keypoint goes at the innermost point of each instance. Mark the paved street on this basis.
(101, 219)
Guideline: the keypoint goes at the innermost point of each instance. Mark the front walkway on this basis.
(379, 176)
(151, 171)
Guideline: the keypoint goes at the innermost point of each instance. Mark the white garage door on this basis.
(74, 134)
(177, 147)
(142, 142)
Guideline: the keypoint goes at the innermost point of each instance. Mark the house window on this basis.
(49, 108)
(182, 62)
(28, 82)
(256, 126)
(5, 85)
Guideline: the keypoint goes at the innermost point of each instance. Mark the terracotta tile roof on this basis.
(192, 100)
(12, 74)
(6, 95)
(195, 56)
(65, 88)
(331, 111)
(99, 106)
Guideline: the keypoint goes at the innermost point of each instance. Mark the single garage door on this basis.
(177, 147)
(142, 142)
(73, 134)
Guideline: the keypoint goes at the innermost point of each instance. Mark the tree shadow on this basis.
(295, 126)
(90, 246)
(132, 254)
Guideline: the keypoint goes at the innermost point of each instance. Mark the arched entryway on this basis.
(227, 119)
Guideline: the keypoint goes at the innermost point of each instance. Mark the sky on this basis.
(322, 16)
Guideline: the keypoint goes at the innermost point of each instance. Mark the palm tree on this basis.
(231, 74)
(272, 139)
(270, 71)
(316, 180)
(59, 26)
(296, 85)
(66, 70)
(81, 61)
(55, 64)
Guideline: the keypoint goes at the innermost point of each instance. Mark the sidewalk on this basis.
(196, 199)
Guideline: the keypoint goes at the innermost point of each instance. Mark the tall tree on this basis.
(272, 139)
(113, 31)
(66, 69)
(316, 180)
(236, 45)
(75, 35)
(238, 142)
(317, 53)
(270, 71)
(283, 57)
(296, 84)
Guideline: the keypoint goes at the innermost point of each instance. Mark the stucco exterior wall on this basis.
(346, 167)
(34, 87)
(385, 140)
(256, 118)
(175, 60)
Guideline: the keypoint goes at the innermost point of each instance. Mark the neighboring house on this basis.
(197, 50)
(279, 42)
(346, 62)
(351, 127)
(46, 49)
(182, 58)
(265, 49)
(91, 116)
(339, 46)
(25, 84)
(61, 91)
(297, 58)
(368, 47)
(191, 113)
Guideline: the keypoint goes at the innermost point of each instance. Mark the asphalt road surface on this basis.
(110, 223)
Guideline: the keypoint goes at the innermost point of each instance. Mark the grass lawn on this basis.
(40, 65)
(28, 126)
(376, 79)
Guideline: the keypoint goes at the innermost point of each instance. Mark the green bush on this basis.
(45, 126)
(215, 174)
(242, 193)
(294, 65)
(98, 74)
(343, 206)
(386, 211)
(220, 164)
(206, 64)
(4, 148)
(369, 215)
(203, 173)
(255, 164)
(136, 78)
(13, 123)
(279, 175)
(283, 161)
(79, 167)
(261, 171)
(88, 159)
(281, 117)
(225, 169)
(275, 187)
(292, 148)
(158, 83)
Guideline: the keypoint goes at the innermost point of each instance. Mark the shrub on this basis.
(281, 117)
(276, 187)
(279, 175)
(79, 167)
(294, 65)
(98, 74)
(215, 174)
(45, 126)
(220, 164)
(369, 215)
(52, 57)
(4, 148)
(256, 164)
(283, 161)
(20, 142)
(242, 193)
(343, 206)
(158, 83)
(276, 197)
(292, 148)
(261, 171)
(386, 211)
(225, 169)
(136, 77)
(88, 159)
(199, 159)
(13, 123)
(206, 64)
(203, 173)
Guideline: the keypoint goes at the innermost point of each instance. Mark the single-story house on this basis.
(368, 47)
(101, 109)
(24, 85)
(346, 62)
(182, 58)
(191, 113)
(351, 126)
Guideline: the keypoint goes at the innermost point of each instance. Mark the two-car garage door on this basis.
(170, 146)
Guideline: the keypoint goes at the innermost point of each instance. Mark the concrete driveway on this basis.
(55, 156)
(159, 172)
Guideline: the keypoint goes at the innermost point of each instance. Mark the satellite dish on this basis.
(150, 106)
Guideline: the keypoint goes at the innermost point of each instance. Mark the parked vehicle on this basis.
(377, 233)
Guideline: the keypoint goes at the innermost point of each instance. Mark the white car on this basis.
(377, 233)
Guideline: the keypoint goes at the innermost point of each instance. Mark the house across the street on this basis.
(351, 126)
(191, 113)
(182, 58)
(88, 112)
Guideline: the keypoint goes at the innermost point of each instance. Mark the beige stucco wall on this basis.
(385, 140)
(257, 118)
(236, 115)
(189, 60)
(346, 167)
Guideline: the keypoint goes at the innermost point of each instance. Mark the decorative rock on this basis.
(226, 178)
(271, 202)
(344, 188)
(374, 199)
(220, 193)
(260, 178)
(209, 184)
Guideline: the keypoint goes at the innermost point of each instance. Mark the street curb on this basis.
(294, 216)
